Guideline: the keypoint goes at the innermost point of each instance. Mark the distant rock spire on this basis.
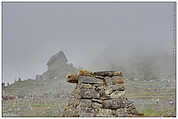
(60, 56)
(57, 67)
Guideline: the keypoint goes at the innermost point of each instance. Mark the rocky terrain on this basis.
(49, 93)
(99, 94)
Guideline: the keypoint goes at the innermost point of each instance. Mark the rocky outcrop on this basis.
(99, 94)
(58, 67)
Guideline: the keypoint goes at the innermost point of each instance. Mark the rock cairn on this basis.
(99, 94)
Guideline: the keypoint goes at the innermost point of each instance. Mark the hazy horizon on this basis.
(33, 32)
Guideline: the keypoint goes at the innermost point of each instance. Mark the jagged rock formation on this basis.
(99, 94)
(53, 80)
(57, 67)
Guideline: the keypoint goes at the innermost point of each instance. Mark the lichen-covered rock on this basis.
(107, 73)
(117, 88)
(117, 80)
(90, 80)
(99, 94)
(117, 94)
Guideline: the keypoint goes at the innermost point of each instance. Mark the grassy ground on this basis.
(145, 94)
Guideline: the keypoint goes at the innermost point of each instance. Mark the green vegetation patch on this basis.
(44, 105)
(153, 113)
(14, 88)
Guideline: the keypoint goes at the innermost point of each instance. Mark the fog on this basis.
(92, 35)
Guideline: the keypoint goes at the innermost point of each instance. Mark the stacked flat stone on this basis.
(99, 94)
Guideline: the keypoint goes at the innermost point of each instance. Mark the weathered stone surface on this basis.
(118, 87)
(100, 94)
(72, 110)
(114, 81)
(115, 91)
(89, 93)
(90, 80)
(87, 86)
(117, 74)
(117, 94)
(113, 104)
(98, 101)
(108, 81)
(96, 105)
(100, 88)
(86, 110)
(98, 85)
(76, 93)
(107, 73)
(105, 113)
(108, 91)
(131, 109)
(117, 80)
(104, 73)
(122, 112)
(85, 103)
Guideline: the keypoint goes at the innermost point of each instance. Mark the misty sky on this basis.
(33, 32)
